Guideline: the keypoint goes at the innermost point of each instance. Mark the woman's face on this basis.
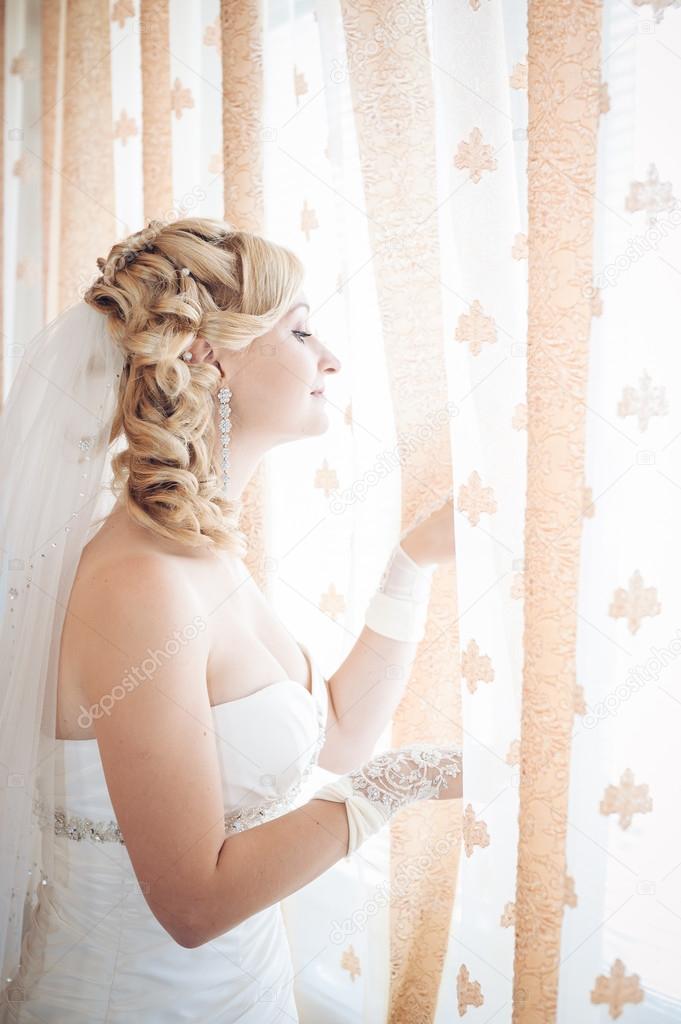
(276, 380)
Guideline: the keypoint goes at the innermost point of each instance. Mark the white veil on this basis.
(54, 491)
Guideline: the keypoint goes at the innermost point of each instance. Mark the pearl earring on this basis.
(187, 356)
(224, 395)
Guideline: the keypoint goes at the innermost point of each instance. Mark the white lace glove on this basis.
(390, 781)
(399, 608)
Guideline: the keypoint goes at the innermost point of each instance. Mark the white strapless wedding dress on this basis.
(94, 952)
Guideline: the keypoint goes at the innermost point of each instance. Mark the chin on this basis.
(317, 425)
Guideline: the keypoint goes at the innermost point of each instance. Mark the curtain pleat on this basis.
(621, 931)
(394, 117)
(53, 11)
(87, 202)
(479, 59)
(241, 29)
(157, 151)
(564, 100)
(242, 99)
(3, 120)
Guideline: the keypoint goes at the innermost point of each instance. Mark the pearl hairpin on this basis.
(185, 271)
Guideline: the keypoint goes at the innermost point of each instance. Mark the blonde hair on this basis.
(238, 287)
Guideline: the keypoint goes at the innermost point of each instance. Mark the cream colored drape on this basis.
(563, 134)
(399, 172)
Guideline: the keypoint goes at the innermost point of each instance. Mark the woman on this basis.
(175, 721)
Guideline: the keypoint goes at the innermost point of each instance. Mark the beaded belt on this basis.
(78, 828)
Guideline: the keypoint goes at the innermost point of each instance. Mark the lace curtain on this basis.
(621, 930)
(542, 139)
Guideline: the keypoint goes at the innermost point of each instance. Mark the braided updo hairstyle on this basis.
(235, 287)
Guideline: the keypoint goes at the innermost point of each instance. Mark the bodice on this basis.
(268, 742)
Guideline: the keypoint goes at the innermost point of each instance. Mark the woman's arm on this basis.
(279, 857)
(158, 749)
(366, 689)
(363, 695)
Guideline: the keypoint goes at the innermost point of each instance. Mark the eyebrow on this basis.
(297, 306)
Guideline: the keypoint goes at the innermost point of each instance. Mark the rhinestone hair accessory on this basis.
(142, 241)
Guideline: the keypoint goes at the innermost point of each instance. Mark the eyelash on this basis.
(304, 334)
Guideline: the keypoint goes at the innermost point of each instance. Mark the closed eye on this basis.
(301, 334)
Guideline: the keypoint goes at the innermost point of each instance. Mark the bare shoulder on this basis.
(131, 571)
(126, 564)
(133, 593)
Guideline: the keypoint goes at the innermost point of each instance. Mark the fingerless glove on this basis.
(388, 782)
(399, 608)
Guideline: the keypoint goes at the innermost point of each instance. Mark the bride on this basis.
(158, 720)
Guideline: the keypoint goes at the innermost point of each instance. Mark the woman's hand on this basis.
(431, 541)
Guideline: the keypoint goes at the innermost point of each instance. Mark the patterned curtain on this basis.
(563, 136)
(616, 926)
(485, 194)
(480, 74)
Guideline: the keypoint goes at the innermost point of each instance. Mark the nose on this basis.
(329, 363)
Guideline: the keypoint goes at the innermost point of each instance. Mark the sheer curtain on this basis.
(552, 892)
(621, 935)
(480, 78)
(477, 73)
(334, 499)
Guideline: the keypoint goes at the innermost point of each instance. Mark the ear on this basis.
(203, 353)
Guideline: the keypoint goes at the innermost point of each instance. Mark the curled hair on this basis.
(237, 287)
